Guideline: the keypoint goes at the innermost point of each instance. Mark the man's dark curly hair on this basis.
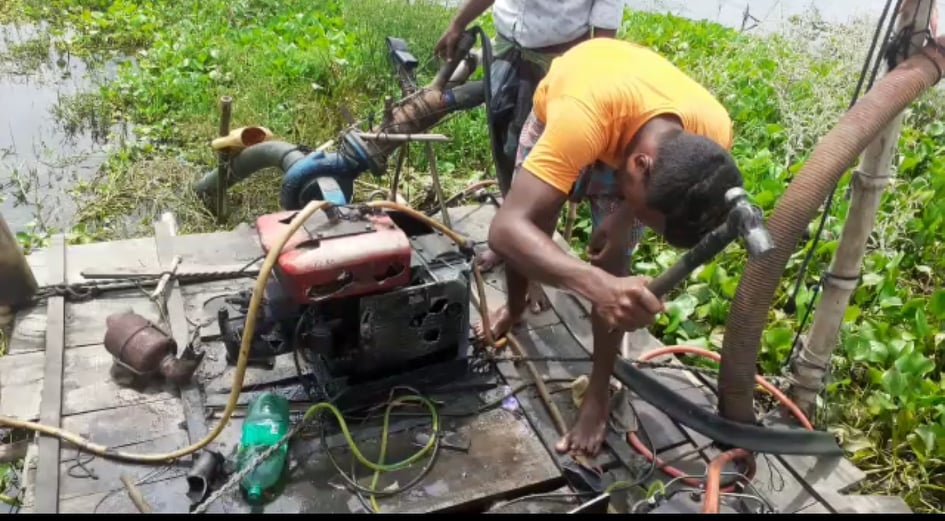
(687, 184)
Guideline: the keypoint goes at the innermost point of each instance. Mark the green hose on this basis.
(380, 467)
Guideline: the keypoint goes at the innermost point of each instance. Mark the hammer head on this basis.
(747, 221)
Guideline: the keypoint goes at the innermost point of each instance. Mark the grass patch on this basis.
(291, 65)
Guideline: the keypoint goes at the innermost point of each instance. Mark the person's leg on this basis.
(504, 318)
(589, 431)
(508, 134)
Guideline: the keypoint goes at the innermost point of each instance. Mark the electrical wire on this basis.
(767, 386)
(351, 482)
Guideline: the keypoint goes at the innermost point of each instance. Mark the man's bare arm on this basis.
(517, 236)
(466, 14)
(470, 11)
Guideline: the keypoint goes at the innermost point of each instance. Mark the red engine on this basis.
(355, 255)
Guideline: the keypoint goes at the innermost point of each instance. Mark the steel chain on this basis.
(255, 462)
(82, 291)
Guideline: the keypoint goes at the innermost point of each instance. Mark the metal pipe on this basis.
(17, 283)
(713, 479)
(226, 106)
(268, 154)
(435, 177)
(401, 138)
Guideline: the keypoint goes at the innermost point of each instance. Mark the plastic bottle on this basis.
(266, 422)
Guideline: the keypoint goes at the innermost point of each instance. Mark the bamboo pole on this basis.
(223, 159)
(17, 282)
(809, 367)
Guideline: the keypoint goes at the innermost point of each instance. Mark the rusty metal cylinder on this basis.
(17, 283)
(139, 346)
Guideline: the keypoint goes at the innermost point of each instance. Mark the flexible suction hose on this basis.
(832, 156)
(268, 154)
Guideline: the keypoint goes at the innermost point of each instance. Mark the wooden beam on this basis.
(47, 467)
(164, 232)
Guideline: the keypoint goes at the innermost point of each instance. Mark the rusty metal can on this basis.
(137, 343)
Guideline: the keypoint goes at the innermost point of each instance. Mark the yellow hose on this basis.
(243, 359)
(241, 363)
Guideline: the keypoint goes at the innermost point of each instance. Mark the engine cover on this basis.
(368, 332)
(425, 322)
(356, 254)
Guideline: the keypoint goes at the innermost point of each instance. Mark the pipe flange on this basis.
(356, 147)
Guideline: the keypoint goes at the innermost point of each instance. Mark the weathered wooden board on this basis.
(85, 321)
(831, 474)
(21, 384)
(176, 323)
(545, 504)
(221, 373)
(505, 459)
(164, 495)
(88, 385)
(50, 407)
(100, 255)
(154, 427)
(240, 244)
(78, 480)
(792, 482)
(29, 330)
(844, 504)
(472, 222)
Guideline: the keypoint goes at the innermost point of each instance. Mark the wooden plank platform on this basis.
(509, 453)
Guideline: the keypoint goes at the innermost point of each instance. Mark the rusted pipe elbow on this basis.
(713, 481)
(144, 349)
(179, 370)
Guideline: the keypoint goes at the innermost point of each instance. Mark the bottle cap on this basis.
(254, 493)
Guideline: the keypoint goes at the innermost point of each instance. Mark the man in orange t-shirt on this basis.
(617, 124)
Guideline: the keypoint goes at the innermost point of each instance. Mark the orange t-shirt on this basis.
(598, 94)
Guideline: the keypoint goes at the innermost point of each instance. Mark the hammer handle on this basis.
(669, 279)
(710, 246)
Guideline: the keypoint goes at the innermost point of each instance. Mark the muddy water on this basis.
(41, 158)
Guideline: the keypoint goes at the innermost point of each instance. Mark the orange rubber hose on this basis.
(713, 477)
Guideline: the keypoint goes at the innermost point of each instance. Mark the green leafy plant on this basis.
(291, 65)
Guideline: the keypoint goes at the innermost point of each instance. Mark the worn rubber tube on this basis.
(465, 96)
(268, 154)
(834, 154)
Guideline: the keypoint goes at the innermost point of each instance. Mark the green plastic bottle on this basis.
(266, 422)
